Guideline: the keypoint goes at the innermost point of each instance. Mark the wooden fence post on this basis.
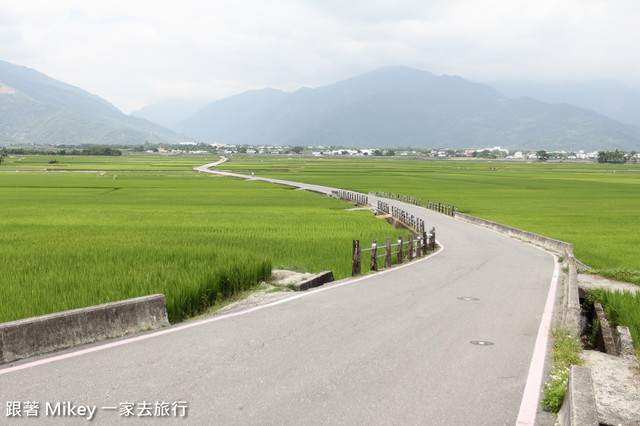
(410, 254)
(387, 253)
(425, 241)
(355, 268)
(400, 244)
(374, 255)
(418, 246)
(432, 239)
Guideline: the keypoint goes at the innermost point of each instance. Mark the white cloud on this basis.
(136, 52)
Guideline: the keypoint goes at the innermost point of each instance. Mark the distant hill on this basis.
(169, 112)
(609, 98)
(399, 106)
(226, 119)
(35, 108)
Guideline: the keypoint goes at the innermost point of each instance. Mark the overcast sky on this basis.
(133, 53)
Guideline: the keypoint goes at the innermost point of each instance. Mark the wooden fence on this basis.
(414, 223)
(415, 246)
(354, 197)
(412, 248)
(441, 208)
(431, 205)
(404, 198)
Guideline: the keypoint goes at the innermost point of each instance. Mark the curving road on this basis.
(390, 348)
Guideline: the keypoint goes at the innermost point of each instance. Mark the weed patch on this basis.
(565, 353)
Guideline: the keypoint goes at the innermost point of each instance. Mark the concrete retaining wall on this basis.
(539, 240)
(38, 335)
(571, 311)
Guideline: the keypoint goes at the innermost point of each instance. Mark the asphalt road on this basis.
(390, 348)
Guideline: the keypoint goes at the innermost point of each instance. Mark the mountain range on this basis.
(606, 97)
(403, 107)
(389, 107)
(35, 108)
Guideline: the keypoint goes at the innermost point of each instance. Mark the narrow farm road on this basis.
(398, 347)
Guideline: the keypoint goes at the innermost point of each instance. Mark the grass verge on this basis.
(565, 353)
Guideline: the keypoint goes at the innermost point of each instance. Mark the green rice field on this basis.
(596, 207)
(128, 162)
(76, 239)
(119, 227)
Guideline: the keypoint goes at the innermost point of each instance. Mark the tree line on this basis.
(615, 157)
(90, 150)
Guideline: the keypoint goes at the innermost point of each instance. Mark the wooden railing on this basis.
(443, 208)
(404, 198)
(410, 221)
(414, 247)
(354, 197)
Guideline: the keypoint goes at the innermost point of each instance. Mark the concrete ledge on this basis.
(318, 280)
(605, 335)
(539, 240)
(624, 343)
(39, 335)
(579, 406)
(571, 301)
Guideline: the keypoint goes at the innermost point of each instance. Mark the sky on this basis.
(137, 52)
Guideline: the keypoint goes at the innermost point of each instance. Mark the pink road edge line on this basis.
(531, 395)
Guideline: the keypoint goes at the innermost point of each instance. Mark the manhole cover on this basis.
(481, 343)
(468, 299)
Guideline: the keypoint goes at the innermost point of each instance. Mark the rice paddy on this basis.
(121, 227)
(77, 239)
(593, 206)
